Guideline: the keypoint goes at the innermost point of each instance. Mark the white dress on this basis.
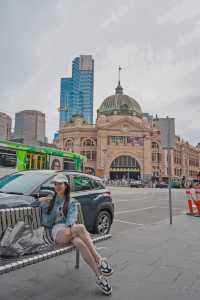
(56, 228)
(59, 216)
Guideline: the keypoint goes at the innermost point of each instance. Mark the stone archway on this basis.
(125, 167)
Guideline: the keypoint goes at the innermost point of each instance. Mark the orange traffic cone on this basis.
(190, 211)
(197, 201)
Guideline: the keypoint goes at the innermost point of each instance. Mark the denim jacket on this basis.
(48, 220)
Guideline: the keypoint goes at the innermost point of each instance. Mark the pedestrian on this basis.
(60, 214)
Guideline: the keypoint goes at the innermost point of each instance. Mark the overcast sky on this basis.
(156, 42)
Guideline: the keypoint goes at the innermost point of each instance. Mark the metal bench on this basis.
(11, 216)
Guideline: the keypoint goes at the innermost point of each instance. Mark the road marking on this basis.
(145, 208)
(176, 208)
(134, 210)
(123, 200)
(132, 223)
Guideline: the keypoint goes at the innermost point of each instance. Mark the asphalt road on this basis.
(137, 207)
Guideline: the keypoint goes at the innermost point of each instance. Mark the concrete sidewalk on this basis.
(155, 262)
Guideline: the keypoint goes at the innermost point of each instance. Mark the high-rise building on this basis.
(30, 126)
(76, 93)
(66, 100)
(5, 126)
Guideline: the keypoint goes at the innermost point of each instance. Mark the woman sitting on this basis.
(60, 215)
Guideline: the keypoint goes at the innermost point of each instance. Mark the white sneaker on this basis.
(104, 267)
(103, 284)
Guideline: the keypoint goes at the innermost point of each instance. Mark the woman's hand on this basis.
(46, 199)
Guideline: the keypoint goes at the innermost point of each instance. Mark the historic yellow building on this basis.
(125, 143)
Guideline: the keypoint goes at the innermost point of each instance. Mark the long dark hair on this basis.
(66, 201)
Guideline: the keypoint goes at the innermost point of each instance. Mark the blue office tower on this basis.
(66, 100)
(76, 94)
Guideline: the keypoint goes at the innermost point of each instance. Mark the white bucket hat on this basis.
(60, 178)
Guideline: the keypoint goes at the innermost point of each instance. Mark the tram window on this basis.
(43, 163)
(8, 159)
(32, 162)
(35, 162)
(28, 161)
(39, 162)
(69, 165)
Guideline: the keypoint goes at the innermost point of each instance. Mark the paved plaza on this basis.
(151, 259)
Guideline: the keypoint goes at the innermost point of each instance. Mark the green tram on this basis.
(24, 157)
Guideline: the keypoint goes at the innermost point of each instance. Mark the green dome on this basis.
(120, 104)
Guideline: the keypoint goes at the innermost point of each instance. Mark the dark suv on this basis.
(22, 188)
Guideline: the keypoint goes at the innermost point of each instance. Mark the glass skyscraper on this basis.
(76, 93)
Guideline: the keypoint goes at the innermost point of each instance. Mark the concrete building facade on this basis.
(30, 126)
(5, 126)
(125, 143)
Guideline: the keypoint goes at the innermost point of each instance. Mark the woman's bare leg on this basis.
(80, 231)
(86, 254)
(64, 236)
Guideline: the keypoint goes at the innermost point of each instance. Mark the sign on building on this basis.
(167, 132)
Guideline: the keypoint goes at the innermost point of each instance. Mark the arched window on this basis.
(69, 145)
(89, 148)
(155, 145)
(156, 155)
(125, 161)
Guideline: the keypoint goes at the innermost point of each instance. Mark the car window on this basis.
(98, 185)
(49, 185)
(5, 180)
(81, 183)
(22, 182)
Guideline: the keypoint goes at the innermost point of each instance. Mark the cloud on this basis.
(156, 43)
(181, 11)
(191, 37)
(115, 16)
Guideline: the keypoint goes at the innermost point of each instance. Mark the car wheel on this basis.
(103, 222)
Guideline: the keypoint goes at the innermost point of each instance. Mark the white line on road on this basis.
(134, 210)
(145, 208)
(177, 208)
(123, 200)
(132, 223)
